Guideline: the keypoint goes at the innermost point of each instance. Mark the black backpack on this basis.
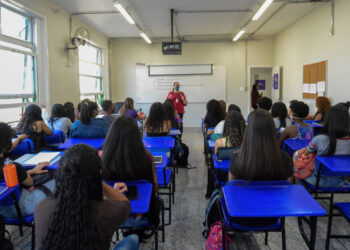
(213, 211)
(5, 244)
(181, 153)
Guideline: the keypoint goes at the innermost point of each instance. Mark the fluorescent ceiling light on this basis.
(144, 36)
(262, 9)
(239, 34)
(122, 11)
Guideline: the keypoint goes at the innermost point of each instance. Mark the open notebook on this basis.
(41, 157)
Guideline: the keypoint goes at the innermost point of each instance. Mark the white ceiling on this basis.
(154, 17)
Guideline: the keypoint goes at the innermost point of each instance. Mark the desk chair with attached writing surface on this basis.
(57, 138)
(24, 147)
(11, 197)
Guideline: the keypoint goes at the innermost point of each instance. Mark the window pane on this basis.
(90, 69)
(15, 25)
(10, 114)
(91, 54)
(89, 85)
(17, 74)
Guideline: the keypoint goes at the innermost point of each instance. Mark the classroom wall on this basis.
(126, 53)
(63, 79)
(308, 41)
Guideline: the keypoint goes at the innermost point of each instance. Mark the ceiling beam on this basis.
(212, 11)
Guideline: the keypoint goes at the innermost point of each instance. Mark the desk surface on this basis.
(211, 144)
(270, 201)
(295, 144)
(53, 166)
(159, 142)
(144, 192)
(96, 143)
(223, 165)
(337, 164)
(5, 191)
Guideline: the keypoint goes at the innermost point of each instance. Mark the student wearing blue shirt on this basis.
(89, 126)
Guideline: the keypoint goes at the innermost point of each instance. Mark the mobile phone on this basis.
(158, 159)
(132, 194)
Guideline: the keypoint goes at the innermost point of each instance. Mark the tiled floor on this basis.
(185, 231)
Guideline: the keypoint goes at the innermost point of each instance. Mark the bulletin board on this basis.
(314, 79)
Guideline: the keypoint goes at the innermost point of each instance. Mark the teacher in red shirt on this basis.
(178, 98)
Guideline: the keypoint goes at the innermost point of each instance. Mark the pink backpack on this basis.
(214, 240)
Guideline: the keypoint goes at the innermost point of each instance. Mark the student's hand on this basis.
(39, 168)
(121, 187)
(302, 151)
(22, 137)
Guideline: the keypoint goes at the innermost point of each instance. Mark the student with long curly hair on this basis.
(157, 123)
(323, 105)
(77, 216)
(34, 126)
(126, 159)
(234, 129)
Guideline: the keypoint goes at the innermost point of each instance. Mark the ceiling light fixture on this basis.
(239, 34)
(262, 9)
(121, 9)
(144, 36)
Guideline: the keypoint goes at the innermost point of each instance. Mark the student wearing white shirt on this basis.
(58, 121)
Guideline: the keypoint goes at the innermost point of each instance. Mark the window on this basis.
(91, 73)
(18, 58)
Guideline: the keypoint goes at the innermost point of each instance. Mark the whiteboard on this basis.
(197, 88)
(190, 69)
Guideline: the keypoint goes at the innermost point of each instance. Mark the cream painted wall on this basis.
(308, 41)
(126, 53)
(64, 80)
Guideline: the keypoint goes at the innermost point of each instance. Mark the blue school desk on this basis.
(335, 165)
(53, 164)
(223, 165)
(292, 145)
(144, 192)
(162, 142)
(174, 132)
(96, 143)
(271, 199)
(5, 191)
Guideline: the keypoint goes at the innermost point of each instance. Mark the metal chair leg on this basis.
(266, 237)
(330, 219)
(33, 237)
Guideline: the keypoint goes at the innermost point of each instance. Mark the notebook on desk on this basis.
(35, 159)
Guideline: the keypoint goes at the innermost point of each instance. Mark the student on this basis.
(70, 111)
(279, 114)
(79, 107)
(171, 114)
(108, 109)
(300, 129)
(334, 140)
(219, 128)
(58, 121)
(255, 96)
(17, 141)
(322, 105)
(126, 159)
(29, 198)
(254, 164)
(214, 114)
(34, 126)
(233, 131)
(265, 103)
(89, 126)
(129, 109)
(77, 216)
(290, 109)
(156, 123)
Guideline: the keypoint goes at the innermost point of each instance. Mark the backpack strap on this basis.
(215, 196)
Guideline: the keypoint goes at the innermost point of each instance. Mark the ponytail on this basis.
(86, 112)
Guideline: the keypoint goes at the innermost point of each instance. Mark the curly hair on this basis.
(300, 109)
(78, 182)
(234, 128)
(156, 117)
(279, 109)
(265, 103)
(322, 104)
(235, 108)
(31, 115)
(5, 137)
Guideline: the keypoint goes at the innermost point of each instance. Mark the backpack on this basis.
(214, 241)
(212, 212)
(5, 243)
(181, 154)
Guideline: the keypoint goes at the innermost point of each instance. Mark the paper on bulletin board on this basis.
(313, 88)
(321, 86)
(306, 88)
(320, 93)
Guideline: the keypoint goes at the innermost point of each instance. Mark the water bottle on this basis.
(10, 174)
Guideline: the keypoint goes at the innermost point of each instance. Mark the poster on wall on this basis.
(275, 81)
(261, 84)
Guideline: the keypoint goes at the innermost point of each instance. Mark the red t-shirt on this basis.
(177, 100)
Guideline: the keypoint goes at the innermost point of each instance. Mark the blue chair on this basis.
(10, 199)
(58, 137)
(344, 208)
(24, 147)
